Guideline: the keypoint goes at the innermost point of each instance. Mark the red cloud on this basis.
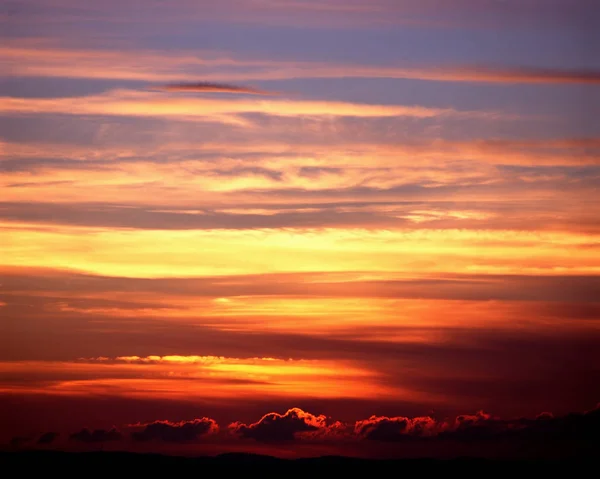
(394, 428)
(465, 420)
(295, 423)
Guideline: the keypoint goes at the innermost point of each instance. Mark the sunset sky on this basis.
(358, 212)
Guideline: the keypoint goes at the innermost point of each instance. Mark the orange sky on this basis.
(331, 213)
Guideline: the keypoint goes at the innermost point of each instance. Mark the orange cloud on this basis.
(214, 377)
(146, 104)
(154, 66)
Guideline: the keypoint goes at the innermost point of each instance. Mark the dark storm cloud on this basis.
(209, 87)
(96, 436)
(184, 431)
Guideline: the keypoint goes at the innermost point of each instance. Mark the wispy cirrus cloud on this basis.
(145, 104)
(310, 13)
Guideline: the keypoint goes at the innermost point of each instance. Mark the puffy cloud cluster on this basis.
(396, 428)
(482, 427)
(183, 431)
(298, 425)
(294, 424)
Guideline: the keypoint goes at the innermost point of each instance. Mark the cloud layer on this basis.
(214, 210)
(375, 436)
(295, 423)
(207, 87)
(175, 431)
(157, 66)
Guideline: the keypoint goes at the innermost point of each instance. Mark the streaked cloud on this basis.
(317, 15)
(152, 66)
(217, 378)
(205, 87)
(220, 232)
(136, 103)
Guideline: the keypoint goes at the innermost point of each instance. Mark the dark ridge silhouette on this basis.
(251, 463)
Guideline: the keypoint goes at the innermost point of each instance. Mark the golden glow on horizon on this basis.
(194, 377)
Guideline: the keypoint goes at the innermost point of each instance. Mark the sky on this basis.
(298, 227)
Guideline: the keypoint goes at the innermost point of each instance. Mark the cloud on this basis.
(309, 14)
(47, 438)
(297, 424)
(183, 431)
(469, 433)
(156, 66)
(18, 441)
(482, 427)
(395, 428)
(97, 435)
(208, 87)
(565, 294)
(294, 424)
(133, 103)
(515, 75)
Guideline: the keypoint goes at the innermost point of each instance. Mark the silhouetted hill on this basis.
(111, 462)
